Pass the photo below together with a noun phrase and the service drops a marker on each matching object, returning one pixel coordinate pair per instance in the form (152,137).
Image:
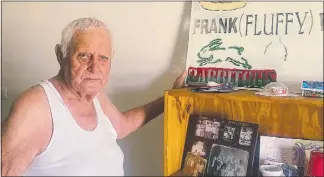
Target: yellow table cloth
(294,117)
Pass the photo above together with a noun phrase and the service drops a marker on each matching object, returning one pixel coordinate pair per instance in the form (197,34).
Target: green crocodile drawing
(207,55)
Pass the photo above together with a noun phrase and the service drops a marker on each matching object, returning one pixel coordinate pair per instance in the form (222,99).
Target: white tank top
(73,151)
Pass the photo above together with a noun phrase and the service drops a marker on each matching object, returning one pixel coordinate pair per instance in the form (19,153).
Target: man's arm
(131,120)
(24,132)
(137,117)
(143,114)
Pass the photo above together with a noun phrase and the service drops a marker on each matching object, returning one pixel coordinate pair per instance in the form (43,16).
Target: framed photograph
(199,148)
(194,165)
(246,136)
(236,133)
(229,133)
(227,161)
(207,128)
(227,146)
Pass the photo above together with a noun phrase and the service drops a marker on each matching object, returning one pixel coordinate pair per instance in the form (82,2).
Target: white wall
(150,43)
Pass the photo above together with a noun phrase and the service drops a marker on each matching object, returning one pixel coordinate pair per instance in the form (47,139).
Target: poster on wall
(254,43)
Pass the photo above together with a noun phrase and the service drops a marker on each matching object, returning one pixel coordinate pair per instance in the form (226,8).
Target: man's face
(87,69)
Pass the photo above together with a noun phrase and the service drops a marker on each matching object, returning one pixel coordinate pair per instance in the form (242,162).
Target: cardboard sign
(285,38)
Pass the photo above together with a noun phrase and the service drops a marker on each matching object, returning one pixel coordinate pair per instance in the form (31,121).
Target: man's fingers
(180,81)
(182,76)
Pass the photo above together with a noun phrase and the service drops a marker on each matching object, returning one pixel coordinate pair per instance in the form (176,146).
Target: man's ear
(59,54)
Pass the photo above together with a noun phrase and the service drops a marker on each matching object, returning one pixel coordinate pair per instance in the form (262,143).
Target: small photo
(199,148)
(246,136)
(228,133)
(194,165)
(226,161)
(207,128)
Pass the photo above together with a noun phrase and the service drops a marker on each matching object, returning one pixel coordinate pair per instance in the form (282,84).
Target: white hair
(77,25)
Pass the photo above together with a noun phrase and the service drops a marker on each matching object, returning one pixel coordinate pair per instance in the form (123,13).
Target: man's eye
(104,58)
(83,56)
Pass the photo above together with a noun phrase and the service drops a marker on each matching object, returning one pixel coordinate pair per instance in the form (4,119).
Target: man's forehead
(93,39)
(93,33)
(86,38)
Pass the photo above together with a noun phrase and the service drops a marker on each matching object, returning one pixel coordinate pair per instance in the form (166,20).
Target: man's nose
(94,65)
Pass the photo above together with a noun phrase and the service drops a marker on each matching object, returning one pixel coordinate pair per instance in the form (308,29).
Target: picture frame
(228,146)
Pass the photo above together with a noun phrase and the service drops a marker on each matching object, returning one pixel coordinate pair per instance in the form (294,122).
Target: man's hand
(180,81)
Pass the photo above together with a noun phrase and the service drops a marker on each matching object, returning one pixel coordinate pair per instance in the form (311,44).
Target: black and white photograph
(207,128)
(226,161)
(199,148)
(246,136)
(228,132)
(194,165)
(228,146)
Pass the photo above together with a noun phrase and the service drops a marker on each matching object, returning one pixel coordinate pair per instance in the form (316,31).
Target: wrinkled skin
(86,69)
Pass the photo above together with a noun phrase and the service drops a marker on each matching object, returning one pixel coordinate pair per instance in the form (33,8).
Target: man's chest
(84,114)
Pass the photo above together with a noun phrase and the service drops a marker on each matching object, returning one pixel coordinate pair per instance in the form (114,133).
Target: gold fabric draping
(294,117)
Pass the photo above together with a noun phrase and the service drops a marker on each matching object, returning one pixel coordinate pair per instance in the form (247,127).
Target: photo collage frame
(218,147)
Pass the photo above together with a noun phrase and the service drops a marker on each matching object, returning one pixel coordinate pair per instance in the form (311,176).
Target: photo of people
(226,161)
(207,128)
(199,148)
(245,136)
(226,147)
(194,165)
(228,133)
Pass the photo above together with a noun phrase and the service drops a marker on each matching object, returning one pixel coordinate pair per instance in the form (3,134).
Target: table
(294,117)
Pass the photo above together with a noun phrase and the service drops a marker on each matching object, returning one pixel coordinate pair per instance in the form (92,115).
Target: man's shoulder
(29,111)
(33,96)
(104,99)
(33,99)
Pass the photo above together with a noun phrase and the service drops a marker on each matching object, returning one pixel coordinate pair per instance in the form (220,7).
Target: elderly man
(66,125)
